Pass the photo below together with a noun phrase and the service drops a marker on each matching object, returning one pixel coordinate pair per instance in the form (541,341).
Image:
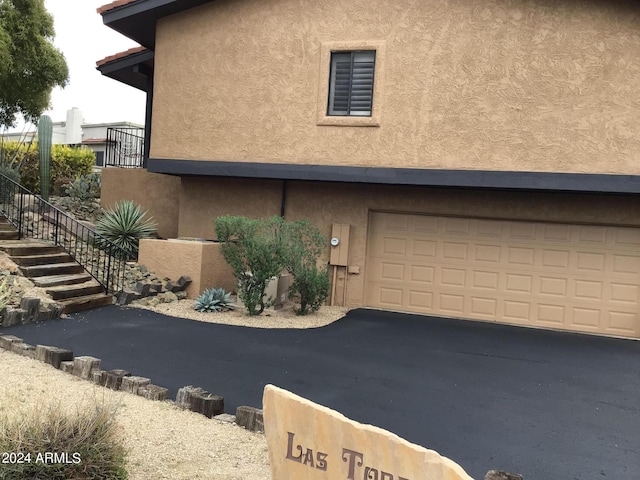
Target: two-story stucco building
(475,158)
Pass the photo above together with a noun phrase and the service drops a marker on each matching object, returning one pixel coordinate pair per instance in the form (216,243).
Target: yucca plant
(213,300)
(125,225)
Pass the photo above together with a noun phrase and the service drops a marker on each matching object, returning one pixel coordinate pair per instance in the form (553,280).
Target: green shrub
(125,225)
(89,437)
(254,250)
(258,250)
(213,300)
(303,244)
(66,161)
(10,172)
(85,187)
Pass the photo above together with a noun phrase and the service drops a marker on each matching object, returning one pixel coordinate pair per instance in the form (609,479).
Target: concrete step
(87,302)
(48,258)
(30,248)
(52,269)
(7,227)
(55,280)
(63,292)
(9,235)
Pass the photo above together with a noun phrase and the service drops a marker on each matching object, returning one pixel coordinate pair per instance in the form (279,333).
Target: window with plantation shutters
(351,83)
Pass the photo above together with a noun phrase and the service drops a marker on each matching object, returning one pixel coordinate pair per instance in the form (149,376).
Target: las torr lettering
(306,458)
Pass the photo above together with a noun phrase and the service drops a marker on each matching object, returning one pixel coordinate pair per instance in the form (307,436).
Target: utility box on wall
(339,244)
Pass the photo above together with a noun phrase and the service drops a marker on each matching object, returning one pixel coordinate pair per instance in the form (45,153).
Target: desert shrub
(125,225)
(258,250)
(303,244)
(60,186)
(66,161)
(88,436)
(254,250)
(85,187)
(213,300)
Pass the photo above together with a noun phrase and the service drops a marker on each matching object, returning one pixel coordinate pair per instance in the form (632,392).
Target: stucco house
(474,159)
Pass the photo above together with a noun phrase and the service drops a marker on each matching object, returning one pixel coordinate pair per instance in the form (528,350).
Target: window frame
(338,61)
(324,81)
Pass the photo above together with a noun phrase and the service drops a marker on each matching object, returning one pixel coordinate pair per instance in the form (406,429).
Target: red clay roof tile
(112,5)
(117,56)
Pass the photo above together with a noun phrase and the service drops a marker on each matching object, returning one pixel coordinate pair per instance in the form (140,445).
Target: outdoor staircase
(7,230)
(49,267)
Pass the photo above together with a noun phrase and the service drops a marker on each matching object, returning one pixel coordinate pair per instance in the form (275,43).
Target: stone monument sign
(312,442)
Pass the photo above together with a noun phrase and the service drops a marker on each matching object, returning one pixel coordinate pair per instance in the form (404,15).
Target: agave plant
(213,300)
(125,225)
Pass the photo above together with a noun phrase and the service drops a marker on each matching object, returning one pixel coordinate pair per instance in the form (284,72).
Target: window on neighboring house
(351,83)
(99,159)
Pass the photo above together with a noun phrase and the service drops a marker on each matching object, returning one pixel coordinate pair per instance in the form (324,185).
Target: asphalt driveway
(545,404)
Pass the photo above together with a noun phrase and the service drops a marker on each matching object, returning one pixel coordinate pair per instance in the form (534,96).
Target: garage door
(571,277)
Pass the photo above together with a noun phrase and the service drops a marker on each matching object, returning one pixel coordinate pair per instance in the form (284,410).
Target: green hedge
(66,162)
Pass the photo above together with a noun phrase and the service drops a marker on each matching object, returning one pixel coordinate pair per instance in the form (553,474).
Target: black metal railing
(37,219)
(125,148)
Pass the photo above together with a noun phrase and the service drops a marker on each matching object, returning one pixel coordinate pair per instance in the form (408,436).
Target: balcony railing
(125,148)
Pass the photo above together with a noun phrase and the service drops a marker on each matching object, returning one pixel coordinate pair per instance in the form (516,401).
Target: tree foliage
(30,65)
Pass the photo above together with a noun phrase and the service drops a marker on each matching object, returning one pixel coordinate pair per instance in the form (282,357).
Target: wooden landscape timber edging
(190,398)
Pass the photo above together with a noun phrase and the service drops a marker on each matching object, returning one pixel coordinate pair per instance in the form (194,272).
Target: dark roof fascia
(137,20)
(504,180)
(123,69)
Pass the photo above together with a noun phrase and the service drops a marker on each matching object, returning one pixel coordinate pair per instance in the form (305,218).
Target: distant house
(472,159)
(74,131)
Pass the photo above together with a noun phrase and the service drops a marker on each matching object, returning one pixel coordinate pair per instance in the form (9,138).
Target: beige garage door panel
(572,277)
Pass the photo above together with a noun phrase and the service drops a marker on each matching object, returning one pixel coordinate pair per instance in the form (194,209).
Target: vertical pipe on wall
(333,285)
(283,201)
(147,120)
(344,287)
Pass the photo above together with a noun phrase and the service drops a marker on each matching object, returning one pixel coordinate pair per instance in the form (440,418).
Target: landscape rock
(498,475)
(169,297)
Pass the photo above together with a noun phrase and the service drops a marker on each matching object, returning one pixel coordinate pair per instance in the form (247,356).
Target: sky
(84,39)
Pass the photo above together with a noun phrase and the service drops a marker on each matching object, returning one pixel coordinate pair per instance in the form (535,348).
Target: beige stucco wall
(158,194)
(203,200)
(202,261)
(527,85)
(325,204)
